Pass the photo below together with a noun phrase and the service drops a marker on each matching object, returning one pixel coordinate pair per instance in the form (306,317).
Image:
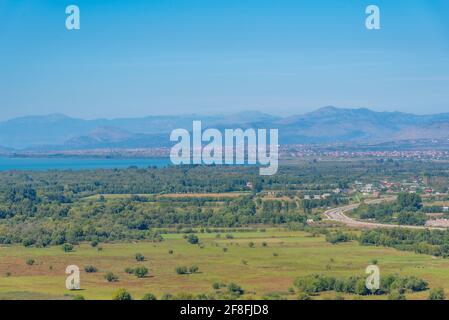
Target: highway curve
(338,214)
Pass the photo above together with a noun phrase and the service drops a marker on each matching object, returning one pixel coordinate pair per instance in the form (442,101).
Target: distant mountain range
(325,125)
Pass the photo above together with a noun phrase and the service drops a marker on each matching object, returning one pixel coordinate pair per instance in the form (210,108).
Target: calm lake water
(77,163)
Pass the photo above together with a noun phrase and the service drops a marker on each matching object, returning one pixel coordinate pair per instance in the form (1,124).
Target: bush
(78,297)
(129,270)
(140,257)
(193,269)
(337,237)
(110,277)
(218,285)
(396,295)
(122,294)
(90,269)
(30,261)
(167,296)
(67,247)
(140,272)
(170,251)
(94,243)
(304,296)
(182,270)
(149,296)
(192,239)
(235,289)
(437,294)
(356,285)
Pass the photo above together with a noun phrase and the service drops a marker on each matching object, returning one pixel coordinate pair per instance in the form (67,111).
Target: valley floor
(263,263)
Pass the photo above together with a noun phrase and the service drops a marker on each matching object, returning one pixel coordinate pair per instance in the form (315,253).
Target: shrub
(140,272)
(396,295)
(218,285)
(122,294)
(337,237)
(181,270)
(193,239)
(251,244)
(129,270)
(170,251)
(78,297)
(30,261)
(167,296)
(67,247)
(90,269)
(436,294)
(149,296)
(193,269)
(235,289)
(304,296)
(140,257)
(110,277)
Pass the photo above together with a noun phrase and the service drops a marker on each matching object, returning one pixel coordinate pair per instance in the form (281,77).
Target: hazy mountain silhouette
(325,125)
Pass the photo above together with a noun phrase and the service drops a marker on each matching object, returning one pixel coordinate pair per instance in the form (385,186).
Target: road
(338,214)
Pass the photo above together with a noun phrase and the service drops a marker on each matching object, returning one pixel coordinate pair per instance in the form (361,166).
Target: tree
(409,200)
(437,294)
(122,294)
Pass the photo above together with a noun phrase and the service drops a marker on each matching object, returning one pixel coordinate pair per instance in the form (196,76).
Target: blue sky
(283,57)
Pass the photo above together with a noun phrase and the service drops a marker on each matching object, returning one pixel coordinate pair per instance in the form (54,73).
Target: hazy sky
(136,58)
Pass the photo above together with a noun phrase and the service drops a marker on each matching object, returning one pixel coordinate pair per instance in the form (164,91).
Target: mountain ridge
(328,124)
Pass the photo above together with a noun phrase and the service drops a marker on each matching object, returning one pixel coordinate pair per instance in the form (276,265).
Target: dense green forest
(433,242)
(57,207)
(407,210)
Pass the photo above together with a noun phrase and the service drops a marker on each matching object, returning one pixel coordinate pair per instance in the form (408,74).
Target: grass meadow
(269,267)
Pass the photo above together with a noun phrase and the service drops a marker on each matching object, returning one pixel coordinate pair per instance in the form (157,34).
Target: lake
(42,164)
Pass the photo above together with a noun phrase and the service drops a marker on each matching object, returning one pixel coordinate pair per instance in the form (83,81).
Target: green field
(261,270)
